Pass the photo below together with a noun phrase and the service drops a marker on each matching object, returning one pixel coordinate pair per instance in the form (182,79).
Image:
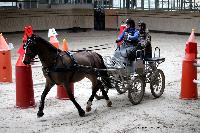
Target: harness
(72,67)
(65,67)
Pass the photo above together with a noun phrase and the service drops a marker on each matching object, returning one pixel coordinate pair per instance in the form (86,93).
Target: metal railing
(160,5)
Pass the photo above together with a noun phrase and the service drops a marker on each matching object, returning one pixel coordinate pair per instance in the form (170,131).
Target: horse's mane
(47,43)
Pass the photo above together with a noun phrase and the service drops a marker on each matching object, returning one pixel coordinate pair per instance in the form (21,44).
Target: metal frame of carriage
(146,71)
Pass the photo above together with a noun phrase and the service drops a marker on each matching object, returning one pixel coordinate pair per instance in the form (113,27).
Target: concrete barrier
(43,19)
(181,22)
(15,20)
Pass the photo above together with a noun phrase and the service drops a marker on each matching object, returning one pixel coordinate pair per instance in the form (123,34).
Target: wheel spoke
(120,87)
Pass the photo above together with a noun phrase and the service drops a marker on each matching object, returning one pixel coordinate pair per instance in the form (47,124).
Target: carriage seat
(155,59)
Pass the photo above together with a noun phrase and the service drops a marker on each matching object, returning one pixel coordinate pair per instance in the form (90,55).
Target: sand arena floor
(165,114)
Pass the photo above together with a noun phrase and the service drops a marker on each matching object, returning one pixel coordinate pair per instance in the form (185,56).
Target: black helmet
(142,25)
(130,22)
(139,23)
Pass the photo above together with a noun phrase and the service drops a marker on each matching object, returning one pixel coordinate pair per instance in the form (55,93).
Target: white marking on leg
(89,103)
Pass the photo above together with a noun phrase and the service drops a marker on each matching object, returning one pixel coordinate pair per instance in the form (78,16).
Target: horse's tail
(104,75)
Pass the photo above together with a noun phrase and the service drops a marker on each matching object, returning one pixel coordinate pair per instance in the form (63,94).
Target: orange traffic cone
(191,44)
(5,61)
(189,71)
(54,41)
(24,82)
(24,85)
(65,45)
(61,92)
(192,37)
(122,28)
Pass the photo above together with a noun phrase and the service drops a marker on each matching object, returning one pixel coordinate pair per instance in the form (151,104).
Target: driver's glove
(128,37)
(117,41)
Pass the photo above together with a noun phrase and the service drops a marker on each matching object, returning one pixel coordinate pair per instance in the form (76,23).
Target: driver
(130,35)
(130,38)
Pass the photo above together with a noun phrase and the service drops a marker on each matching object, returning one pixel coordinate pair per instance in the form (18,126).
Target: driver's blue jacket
(130,34)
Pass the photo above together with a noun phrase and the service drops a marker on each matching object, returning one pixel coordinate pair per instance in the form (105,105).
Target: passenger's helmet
(130,22)
(142,25)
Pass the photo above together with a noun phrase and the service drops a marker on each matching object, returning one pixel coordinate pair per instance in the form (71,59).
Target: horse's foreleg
(71,96)
(48,86)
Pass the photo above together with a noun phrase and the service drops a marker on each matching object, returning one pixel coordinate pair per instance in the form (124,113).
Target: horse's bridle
(29,53)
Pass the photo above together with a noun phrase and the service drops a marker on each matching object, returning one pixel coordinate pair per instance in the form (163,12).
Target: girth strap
(72,58)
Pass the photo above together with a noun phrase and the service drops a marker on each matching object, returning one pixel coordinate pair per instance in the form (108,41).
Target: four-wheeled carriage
(145,71)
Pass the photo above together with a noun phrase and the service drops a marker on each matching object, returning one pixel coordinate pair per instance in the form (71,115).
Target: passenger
(145,40)
(142,30)
(130,38)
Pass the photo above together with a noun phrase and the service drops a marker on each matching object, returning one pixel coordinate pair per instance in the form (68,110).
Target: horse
(62,68)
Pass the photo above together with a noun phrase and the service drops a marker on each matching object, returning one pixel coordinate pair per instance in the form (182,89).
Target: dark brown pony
(62,68)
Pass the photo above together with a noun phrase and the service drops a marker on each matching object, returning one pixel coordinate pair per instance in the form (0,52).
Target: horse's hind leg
(71,96)
(48,86)
(104,93)
(95,87)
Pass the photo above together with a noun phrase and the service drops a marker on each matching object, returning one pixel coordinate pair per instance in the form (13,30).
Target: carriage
(145,71)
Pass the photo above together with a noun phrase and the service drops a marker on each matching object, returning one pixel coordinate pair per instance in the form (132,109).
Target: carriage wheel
(99,95)
(136,91)
(119,86)
(157,84)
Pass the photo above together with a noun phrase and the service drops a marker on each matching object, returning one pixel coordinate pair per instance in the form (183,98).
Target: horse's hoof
(88,109)
(40,114)
(109,103)
(81,113)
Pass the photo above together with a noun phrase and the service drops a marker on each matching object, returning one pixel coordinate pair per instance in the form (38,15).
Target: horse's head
(30,49)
